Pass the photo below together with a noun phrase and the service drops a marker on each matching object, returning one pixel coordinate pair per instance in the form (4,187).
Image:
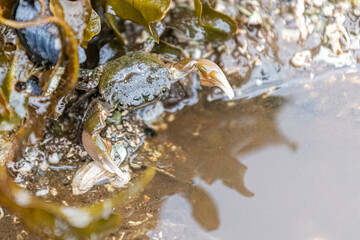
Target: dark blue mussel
(42,43)
(32,86)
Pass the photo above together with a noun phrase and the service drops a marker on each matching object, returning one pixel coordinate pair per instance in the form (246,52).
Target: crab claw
(210,73)
(98,148)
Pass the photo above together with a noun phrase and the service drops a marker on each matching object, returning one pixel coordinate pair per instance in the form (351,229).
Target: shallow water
(279,167)
(276,166)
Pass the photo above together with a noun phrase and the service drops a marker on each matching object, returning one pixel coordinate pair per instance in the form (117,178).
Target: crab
(133,81)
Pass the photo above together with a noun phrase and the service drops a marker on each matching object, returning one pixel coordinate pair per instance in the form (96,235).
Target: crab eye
(163,90)
(122,105)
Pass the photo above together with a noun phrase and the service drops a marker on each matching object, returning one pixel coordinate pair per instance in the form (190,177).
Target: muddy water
(285,166)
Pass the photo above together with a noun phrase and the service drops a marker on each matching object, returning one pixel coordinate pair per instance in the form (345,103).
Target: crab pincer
(210,73)
(98,148)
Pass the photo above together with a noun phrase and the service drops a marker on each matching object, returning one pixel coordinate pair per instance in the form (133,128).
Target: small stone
(328,10)
(255,19)
(338,37)
(83,154)
(55,158)
(315,3)
(53,192)
(260,48)
(132,144)
(43,166)
(302,58)
(42,192)
(290,35)
(146,198)
(135,164)
(356,12)
(70,153)
(110,188)
(16,220)
(130,128)
(1,213)
(171,118)
(23,232)
(18,179)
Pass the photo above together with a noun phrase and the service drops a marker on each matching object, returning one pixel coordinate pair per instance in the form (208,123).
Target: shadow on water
(207,141)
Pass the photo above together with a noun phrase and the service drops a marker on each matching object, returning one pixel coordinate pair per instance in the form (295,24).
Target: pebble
(290,35)
(55,158)
(1,213)
(302,58)
(42,192)
(328,10)
(255,19)
(43,166)
(53,192)
(83,154)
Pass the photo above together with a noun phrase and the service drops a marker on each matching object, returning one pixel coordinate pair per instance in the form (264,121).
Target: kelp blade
(67,222)
(143,13)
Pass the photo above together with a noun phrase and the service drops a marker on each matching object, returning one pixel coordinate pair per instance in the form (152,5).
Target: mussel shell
(33,85)
(42,43)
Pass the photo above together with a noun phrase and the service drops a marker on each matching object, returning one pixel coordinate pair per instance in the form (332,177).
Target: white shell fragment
(300,19)
(1,213)
(255,19)
(290,35)
(89,175)
(55,158)
(302,58)
(315,3)
(326,55)
(42,192)
(328,10)
(338,38)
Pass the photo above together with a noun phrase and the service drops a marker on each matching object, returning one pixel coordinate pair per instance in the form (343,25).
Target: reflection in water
(204,140)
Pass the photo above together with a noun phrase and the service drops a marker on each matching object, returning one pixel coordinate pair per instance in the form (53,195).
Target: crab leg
(98,148)
(89,78)
(210,73)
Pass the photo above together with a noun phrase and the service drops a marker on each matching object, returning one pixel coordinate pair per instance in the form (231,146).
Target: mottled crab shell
(134,80)
(42,43)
